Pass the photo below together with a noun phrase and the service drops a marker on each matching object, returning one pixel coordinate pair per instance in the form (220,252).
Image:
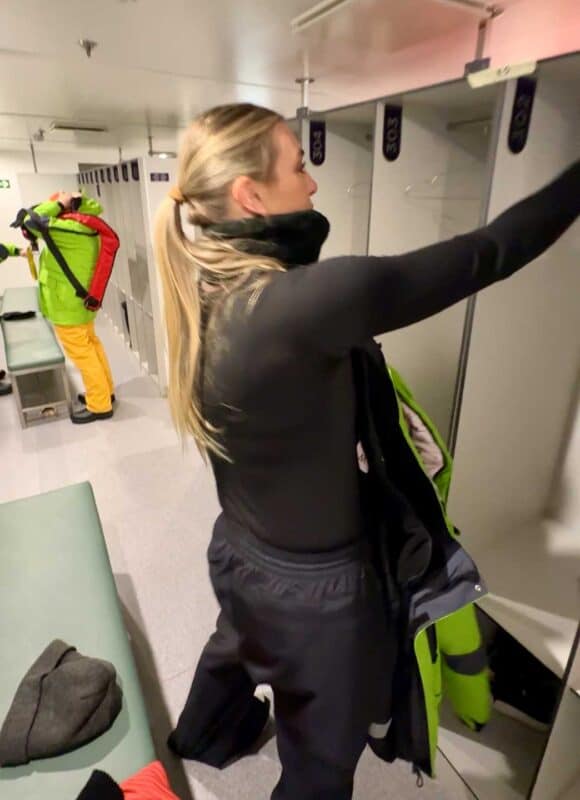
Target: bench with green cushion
(56,583)
(29,343)
(34,360)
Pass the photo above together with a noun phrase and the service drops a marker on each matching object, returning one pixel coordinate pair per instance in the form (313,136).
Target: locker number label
(521,114)
(317,142)
(392,132)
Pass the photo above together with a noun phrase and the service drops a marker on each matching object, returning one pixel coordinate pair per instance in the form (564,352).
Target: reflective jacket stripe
(468,663)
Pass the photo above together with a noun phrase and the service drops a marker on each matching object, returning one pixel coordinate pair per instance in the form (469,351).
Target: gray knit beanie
(64,701)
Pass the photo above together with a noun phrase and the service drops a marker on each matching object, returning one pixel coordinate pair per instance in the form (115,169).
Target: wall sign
(317,142)
(4,183)
(392,132)
(159,176)
(521,114)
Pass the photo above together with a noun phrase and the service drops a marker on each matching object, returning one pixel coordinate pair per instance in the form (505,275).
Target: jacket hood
(90,206)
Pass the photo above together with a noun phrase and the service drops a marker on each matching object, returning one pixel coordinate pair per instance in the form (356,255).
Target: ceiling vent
(80,127)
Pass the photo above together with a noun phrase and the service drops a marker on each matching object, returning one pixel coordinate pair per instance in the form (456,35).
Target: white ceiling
(165,60)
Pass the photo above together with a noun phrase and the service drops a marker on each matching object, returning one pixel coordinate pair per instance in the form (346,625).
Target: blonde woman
(329,551)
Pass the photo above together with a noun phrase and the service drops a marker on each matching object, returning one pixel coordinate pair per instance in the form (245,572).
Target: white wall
(37,187)
(343,187)
(427,353)
(564,505)
(13,271)
(525,351)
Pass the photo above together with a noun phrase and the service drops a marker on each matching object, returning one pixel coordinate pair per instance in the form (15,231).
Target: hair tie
(176,194)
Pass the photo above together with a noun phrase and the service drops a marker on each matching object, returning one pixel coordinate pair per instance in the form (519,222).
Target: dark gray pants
(314,628)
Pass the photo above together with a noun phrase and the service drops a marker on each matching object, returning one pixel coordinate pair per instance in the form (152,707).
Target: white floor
(157,505)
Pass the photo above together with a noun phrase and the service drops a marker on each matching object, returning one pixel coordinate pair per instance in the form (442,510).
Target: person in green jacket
(7,250)
(61,302)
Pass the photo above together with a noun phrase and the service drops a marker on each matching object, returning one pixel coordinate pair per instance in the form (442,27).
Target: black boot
(82,398)
(85,416)
(5,388)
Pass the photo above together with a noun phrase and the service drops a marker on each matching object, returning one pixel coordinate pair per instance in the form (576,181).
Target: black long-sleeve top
(281,383)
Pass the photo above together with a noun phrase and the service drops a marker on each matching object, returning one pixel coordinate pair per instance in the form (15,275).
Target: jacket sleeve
(49,212)
(464,671)
(334,305)
(7,250)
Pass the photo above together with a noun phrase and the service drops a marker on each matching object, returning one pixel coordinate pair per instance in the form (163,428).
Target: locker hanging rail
(422,186)
(353,186)
(468,123)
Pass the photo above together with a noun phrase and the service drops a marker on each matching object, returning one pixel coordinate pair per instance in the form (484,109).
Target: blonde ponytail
(222,144)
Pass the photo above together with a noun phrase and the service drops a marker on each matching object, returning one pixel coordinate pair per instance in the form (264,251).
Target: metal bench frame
(51,409)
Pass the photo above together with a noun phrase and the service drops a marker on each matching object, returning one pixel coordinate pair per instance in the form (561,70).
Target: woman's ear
(247,196)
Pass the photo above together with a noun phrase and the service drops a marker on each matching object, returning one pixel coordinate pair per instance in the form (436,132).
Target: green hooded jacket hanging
(450,655)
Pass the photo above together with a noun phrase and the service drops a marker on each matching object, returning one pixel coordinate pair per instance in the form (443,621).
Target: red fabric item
(106,259)
(150,783)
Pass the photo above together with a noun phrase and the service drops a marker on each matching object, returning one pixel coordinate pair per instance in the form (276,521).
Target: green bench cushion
(29,343)
(56,582)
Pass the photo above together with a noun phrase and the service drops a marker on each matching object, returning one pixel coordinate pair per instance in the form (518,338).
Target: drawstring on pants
(419,775)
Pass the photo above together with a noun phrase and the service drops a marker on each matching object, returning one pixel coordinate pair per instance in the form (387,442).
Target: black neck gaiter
(294,239)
